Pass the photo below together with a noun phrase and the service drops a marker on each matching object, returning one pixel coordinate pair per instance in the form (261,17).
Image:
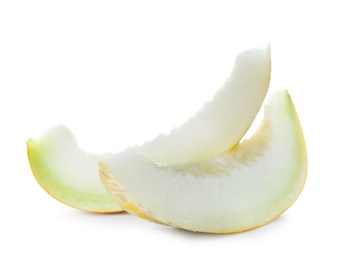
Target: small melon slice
(238,190)
(67,173)
(70,174)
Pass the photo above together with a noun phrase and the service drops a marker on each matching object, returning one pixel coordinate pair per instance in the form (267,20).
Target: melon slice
(237,190)
(223,121)
(69,174)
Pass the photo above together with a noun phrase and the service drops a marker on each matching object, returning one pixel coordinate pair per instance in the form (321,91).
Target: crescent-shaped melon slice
(67,173)
(237,190)
(70,174)
(223,121)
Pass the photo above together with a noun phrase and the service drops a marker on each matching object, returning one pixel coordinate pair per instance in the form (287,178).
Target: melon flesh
(223,121)
(237,190)
(69,174)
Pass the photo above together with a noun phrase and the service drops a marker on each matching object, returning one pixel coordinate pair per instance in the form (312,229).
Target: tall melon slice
(237,190)
(70,174)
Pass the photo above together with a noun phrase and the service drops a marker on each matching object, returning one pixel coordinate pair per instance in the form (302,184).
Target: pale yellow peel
(120,196)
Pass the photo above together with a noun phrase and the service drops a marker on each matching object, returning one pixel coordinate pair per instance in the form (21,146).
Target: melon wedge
(237,190)
(69,174)
(223,121)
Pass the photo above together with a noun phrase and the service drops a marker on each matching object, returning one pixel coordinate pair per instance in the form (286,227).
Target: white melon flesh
(223,121)
(67,173)
(237,190)
(70,174)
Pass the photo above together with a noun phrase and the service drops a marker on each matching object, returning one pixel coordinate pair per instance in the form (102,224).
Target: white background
(120,72)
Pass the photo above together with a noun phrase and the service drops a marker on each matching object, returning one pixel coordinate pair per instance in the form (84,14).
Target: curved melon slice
(70,174)
(237,190)
(223,121)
